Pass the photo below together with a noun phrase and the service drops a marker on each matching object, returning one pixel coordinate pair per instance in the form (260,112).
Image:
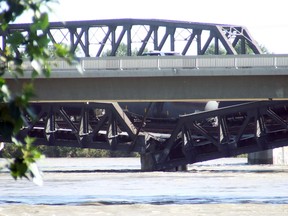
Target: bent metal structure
(163,143)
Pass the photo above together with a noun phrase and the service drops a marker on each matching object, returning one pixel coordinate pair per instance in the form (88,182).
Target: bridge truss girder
(83,125)
(226,132)
(95,38)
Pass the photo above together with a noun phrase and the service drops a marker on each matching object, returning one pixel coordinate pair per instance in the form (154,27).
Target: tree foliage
(121,51)
(222,51)
(69,152)
(211,50)
(34,45)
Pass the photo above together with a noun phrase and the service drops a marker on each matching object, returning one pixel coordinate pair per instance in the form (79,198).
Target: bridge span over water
(163,143)
(75,109)
(70,112)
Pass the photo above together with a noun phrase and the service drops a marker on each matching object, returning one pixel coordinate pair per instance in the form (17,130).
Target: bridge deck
(181,78)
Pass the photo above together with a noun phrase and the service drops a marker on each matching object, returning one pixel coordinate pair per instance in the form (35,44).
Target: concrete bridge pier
(261,157)
(278,156)
(148,163)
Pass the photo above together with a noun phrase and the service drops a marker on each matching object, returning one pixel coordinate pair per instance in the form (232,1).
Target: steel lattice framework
(235,130)
(84,125)
(225,132)
(95,38)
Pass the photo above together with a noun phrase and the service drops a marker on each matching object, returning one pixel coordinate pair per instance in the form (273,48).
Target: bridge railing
(165,62)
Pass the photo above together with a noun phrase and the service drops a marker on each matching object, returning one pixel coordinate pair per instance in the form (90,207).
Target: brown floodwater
(116,186)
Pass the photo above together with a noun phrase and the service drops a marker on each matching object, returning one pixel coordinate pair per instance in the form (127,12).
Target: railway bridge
(81,110)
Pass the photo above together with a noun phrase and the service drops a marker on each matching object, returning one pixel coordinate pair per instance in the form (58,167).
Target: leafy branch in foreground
(20,47)
(24,164)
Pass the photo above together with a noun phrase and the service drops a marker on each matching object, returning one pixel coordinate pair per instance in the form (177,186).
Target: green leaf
(18,168)
(40,23)
(44,19)
(24,163)
(4,26)
(16,39)
(61,50)
(43,41)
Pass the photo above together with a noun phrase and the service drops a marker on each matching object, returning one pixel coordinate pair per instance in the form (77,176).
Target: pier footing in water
(278,156)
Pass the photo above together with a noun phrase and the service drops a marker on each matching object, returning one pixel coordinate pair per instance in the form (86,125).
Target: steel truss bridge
(93,38)
(164,144)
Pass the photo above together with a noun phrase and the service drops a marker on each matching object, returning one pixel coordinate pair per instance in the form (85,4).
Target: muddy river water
(116,186)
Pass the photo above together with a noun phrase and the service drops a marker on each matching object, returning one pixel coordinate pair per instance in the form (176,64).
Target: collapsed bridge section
(229,131)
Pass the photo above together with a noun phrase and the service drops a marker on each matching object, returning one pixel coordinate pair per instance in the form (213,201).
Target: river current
(85,181)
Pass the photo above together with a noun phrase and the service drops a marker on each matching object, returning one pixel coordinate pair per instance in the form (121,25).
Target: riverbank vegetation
(11,151)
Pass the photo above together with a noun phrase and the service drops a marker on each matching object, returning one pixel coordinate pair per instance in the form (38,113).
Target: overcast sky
(267,21)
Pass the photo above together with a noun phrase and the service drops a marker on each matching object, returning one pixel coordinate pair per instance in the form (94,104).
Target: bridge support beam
(278,156)
(147,162)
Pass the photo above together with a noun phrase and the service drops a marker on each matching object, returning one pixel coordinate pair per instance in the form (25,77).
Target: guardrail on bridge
(163,62)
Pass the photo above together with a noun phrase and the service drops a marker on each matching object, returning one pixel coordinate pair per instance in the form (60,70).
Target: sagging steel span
(164,144)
